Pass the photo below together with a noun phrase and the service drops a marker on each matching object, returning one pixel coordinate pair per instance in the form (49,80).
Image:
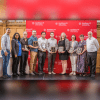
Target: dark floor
(52,77)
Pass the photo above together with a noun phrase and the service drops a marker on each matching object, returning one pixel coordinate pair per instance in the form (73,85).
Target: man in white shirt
(92,48)
(42,44)
(52,42)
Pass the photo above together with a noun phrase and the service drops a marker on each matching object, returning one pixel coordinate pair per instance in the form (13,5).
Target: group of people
(21,47)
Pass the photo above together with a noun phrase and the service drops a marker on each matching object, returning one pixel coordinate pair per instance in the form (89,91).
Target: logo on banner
(38,23)
(73,30)
(61,23)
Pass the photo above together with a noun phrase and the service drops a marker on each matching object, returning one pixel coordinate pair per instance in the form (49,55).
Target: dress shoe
(40,73)
(25,74)
(5,76)
(21,74)
(93,76)
(17,74)
(8,76)
(62,73)
(14,75)
(35,73)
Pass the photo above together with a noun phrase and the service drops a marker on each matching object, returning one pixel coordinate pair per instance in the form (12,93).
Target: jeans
(5,61)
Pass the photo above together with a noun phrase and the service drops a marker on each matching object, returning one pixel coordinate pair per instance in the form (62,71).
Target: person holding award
(32,43)
(82,59)
(52,49)
(63,47)
(42,43)
(73,54)
(92,48)
(16,53)
(24,57)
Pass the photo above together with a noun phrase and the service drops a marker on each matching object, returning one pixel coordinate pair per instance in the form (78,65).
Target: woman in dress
(63,56)
(73,55)
(16,53)
(81,60)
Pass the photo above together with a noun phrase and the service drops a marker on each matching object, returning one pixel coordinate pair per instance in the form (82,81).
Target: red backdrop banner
(70,27)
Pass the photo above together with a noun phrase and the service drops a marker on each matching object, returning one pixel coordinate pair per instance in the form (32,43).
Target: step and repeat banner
(70,27)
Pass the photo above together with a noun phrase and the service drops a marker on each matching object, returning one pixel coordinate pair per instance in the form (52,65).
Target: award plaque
(61,48)
(35,43)
(43,45)
(79,50)
(71,49)
(53,49)
(26,47)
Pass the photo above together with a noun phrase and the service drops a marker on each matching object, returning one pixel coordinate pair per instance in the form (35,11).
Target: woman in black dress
(63,56)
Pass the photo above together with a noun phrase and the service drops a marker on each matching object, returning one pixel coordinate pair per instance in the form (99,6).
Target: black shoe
(40,73)
(35,73)
(89,75)
(62,74)
(5,76)
(17,74)
(21,74)
(93,76)
(25,74)
(8,76)
(14,75)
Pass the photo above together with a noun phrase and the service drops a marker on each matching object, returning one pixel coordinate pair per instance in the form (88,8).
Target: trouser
(5,61)
(41,60)
(15,64)
(24,58)
(51,59)
(73,62)
(91,57)
(33,61)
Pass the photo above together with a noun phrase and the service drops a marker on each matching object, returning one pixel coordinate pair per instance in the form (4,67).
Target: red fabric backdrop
(70,27)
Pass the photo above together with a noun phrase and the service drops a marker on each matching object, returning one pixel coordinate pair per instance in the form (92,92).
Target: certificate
(61,48)
(71,50)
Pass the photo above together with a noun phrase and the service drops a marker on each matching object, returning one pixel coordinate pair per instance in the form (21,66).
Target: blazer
(75,45)
(15,47)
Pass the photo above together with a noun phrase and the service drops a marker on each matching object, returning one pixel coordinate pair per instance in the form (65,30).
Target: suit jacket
(75,45)
(15,47)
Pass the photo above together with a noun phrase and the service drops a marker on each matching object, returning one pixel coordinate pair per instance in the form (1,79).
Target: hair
(7,28)
(90,32)
(61,35)
(51,32)
(24,32)
(81,35)
(14,36)
(73,35)
(33,30)
(43,32)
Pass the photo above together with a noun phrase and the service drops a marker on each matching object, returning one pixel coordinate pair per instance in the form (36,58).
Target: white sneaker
(49,72)
(53,73)
(71,73)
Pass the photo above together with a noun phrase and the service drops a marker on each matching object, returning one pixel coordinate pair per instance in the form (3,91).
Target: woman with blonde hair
(73,55)
(63,55)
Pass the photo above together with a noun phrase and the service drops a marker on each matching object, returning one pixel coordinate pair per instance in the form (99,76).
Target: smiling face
(81,38)
(43,35)
(63,35)
(8,31)
(52,35)
(73,37)
(89,34)
(17,36)
(34,33)
(25,35)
